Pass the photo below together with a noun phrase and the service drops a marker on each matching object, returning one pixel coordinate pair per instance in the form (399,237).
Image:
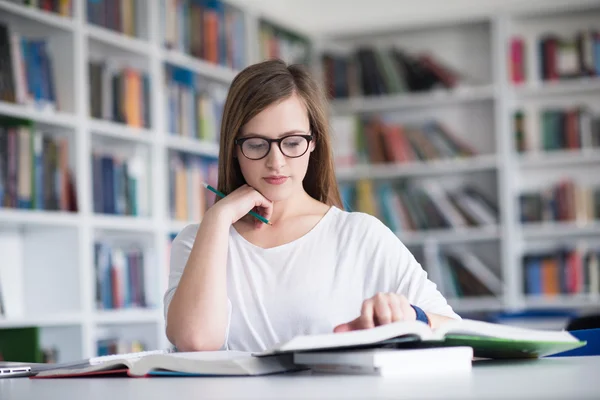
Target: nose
(275,158)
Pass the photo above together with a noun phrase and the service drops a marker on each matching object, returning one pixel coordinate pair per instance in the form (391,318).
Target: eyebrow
(252,134)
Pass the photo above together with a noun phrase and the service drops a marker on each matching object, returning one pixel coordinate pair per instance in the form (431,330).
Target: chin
(276,193)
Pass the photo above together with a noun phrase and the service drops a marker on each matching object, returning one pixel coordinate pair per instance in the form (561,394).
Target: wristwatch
(421,316)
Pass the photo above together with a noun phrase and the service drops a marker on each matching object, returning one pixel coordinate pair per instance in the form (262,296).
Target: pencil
(221,195)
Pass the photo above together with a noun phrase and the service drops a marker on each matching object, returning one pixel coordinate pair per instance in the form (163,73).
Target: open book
(488,340)
(207,363)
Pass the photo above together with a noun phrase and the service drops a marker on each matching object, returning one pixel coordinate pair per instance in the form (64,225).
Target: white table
(561,378)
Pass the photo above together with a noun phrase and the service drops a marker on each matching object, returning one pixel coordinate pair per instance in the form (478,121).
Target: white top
(312,284)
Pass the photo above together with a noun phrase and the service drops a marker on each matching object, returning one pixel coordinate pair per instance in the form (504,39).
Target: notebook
(207,363)
(390,362)
(488,340)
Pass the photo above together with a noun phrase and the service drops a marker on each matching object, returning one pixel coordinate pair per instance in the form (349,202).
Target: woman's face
(276,176)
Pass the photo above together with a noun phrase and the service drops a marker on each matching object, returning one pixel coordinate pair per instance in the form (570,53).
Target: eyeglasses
(256,148)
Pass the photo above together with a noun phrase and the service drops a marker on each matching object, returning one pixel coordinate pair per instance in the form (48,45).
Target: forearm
(436,320)
(197,315)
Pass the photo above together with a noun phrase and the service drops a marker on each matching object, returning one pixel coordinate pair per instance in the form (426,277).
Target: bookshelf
(481,110)
(52,254)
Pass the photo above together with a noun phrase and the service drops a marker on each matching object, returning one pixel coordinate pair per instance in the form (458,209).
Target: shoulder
(185,238)
(362,225)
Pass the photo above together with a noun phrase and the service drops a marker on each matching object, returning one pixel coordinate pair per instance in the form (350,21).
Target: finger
(396,308)
(408,313)
(383,314)
(342,328)
(365,321)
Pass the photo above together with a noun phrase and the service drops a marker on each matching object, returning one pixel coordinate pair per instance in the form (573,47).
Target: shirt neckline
(289,244)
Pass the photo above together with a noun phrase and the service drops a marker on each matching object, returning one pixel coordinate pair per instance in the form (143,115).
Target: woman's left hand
(381,309)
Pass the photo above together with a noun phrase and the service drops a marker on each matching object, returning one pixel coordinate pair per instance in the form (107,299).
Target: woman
(237,283)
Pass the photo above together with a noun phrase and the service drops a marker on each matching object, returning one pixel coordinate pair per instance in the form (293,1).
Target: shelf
(118,40)
(541,89)
(122,223)
(21,217)
(60,119)
(35,14)
(446,236)
(193,146)
(475,304)
(558,158)
(431,99)
(563,301)
(430,168)
(553,230)
(121,131)
(45,321)
(201,67)
(125,316)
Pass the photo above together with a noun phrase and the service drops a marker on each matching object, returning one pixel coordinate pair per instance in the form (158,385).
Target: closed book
(390,362)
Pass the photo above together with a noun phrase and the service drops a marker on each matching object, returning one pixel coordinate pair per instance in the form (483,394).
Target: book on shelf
(34,168)
(194,106)
(210,30)
(377,71)
(61,7)
(486,340)
(120,184)
(25,345)
(574,128)
(565,270)
(557,56)
(26,70)
(113,346)
(563,201)
(460,273)
(119,94)
(118,15)
(119,275)
(188,199)
(274,41)
(418,207)
(373,140)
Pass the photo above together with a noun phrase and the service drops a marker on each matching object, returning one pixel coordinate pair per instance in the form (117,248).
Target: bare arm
(197,317)
(198,312)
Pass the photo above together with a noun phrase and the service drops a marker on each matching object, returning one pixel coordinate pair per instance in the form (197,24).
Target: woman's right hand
(243,200)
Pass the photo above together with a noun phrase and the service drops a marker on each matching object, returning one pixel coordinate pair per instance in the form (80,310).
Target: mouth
(276,180)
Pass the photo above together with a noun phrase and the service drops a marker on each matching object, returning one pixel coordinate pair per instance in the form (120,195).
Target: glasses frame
(240,142)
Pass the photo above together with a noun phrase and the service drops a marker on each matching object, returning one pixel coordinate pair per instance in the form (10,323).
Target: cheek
(250,169)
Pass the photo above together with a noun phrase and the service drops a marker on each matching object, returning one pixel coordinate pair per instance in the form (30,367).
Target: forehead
(286,115)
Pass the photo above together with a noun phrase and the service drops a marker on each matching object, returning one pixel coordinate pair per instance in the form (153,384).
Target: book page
(485,329)
(353,338)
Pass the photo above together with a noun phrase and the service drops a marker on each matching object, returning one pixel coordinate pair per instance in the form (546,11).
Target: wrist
(218,214)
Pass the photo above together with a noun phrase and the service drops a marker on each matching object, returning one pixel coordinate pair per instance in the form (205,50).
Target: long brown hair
(256,88)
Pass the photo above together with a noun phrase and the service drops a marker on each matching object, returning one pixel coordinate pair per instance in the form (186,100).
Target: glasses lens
(294,146)
(255,148)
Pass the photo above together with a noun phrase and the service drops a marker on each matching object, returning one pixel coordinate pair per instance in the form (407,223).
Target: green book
(488,340)
(20,344)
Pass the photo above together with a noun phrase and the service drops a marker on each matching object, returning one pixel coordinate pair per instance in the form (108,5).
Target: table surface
(564,377)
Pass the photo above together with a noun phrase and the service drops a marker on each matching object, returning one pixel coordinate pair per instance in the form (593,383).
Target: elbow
(187,340)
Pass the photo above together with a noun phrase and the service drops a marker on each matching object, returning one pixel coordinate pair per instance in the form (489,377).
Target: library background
(476,139)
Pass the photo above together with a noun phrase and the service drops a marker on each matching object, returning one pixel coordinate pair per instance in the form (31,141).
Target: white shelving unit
(53,252)
(481,113)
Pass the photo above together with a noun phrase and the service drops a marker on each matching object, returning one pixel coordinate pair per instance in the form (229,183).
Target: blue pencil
(221,195)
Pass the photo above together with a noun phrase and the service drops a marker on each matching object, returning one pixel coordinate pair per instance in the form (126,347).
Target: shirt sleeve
(408,276)
(181,248)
